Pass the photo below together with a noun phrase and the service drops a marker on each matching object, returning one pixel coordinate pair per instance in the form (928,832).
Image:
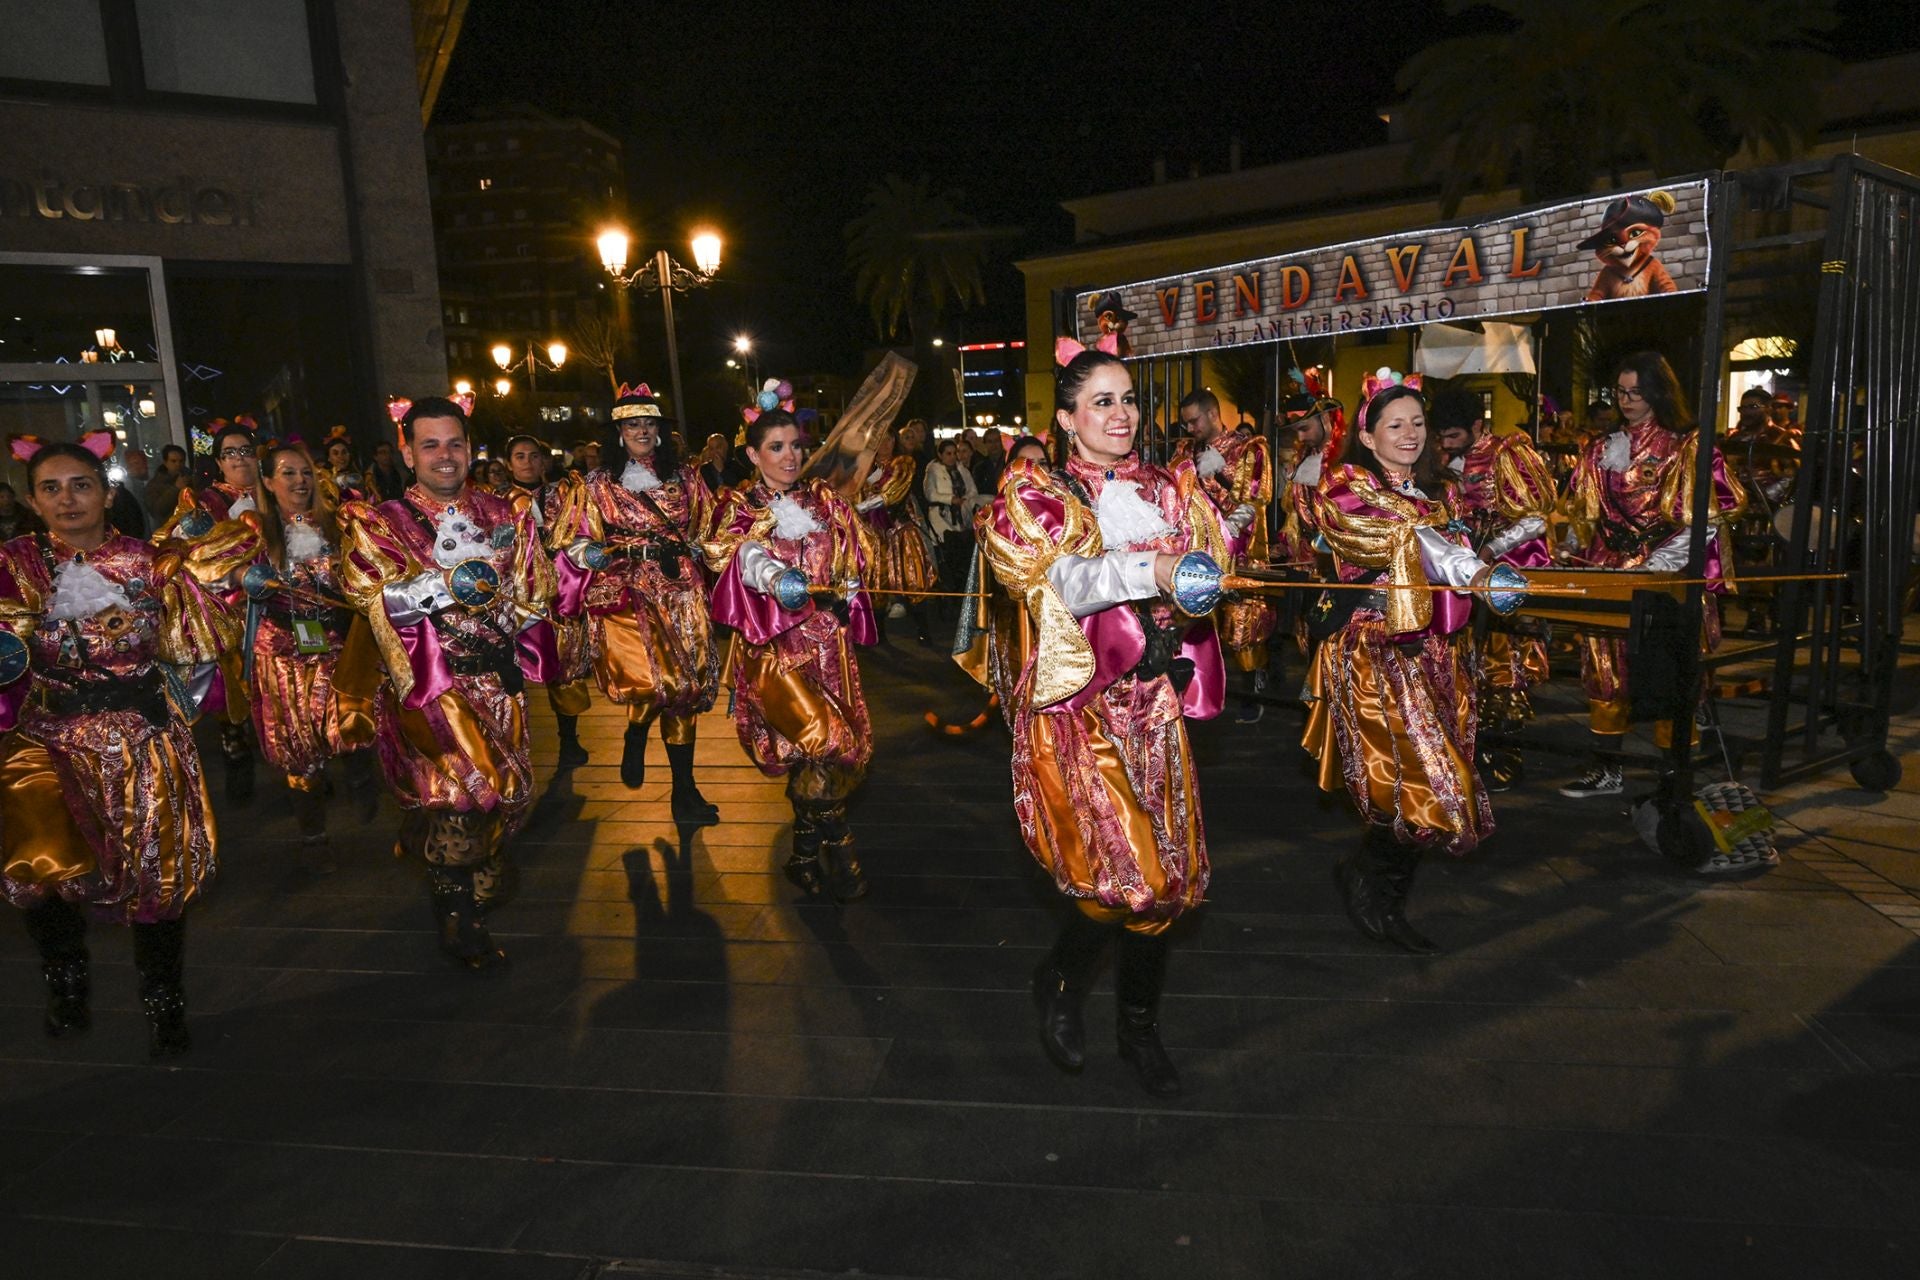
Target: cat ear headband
(100,443)
(1065,348)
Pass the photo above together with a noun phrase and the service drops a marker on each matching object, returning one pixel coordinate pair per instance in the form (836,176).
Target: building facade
(215,208)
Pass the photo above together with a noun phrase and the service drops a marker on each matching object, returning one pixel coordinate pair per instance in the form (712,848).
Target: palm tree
(1574,88)
(913,255)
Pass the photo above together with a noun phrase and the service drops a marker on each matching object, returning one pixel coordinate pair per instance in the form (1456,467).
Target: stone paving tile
(1614,1066)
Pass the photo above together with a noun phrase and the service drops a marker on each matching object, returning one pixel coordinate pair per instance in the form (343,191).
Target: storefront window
(257,50)
(58,40)
(61,313)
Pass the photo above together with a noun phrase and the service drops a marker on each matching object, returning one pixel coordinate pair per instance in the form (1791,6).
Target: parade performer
(790,560)
(455,588)
(342,472)
(102,804)
(298,625)
(1394,691)
(1506,495)
(1103,780)
(889,504)
(630,563)
(529,491)
(227,498)
(1237,468)
(1631,496)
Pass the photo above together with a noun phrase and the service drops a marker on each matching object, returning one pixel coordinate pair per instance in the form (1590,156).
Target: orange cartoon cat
(1626,242)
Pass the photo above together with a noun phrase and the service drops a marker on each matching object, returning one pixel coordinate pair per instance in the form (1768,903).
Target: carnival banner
(1604,249)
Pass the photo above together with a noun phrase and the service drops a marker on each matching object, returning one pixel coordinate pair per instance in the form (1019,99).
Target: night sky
(773,131)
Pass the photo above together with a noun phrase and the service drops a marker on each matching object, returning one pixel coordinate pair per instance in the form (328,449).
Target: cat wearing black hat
(1626,242)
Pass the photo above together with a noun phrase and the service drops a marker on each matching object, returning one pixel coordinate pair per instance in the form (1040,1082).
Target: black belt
(668,557)
(490,662)
(146,694)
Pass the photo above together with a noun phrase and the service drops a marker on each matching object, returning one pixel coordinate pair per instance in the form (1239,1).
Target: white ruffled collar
(790,519)
(638,477)
(1126,518)
(80,591)
(1211,462)
(455,539)
(304,542)
(1617,453)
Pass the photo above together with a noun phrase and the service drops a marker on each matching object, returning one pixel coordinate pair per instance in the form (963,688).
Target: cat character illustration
(1626,244)
(1111,315)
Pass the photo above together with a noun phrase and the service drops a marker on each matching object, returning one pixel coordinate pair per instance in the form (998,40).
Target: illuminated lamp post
(668,277)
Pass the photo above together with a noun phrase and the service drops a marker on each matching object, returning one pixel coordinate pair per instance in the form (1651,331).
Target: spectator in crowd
(387,477)
(988,459)
(163,490)
(124,509)
(952,499)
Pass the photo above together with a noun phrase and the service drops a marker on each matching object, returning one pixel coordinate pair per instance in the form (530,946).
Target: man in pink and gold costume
(455,587)
(1631,496)
(1237,469)
(1505,495)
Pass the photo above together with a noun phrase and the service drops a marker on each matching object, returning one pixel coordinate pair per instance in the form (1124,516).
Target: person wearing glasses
(198,516)
(1631,498)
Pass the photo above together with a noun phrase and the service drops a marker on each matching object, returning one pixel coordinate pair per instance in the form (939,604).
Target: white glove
(759,567)
(875,501)
(1512,536)
(1088,584)
(1671,555)
(418,597)
(1448,564)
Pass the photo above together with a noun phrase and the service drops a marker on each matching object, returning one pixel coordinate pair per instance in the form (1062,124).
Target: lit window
(486,184)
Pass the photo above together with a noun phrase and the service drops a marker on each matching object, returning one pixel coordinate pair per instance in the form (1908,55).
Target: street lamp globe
(557,353)
(706,252)
(939,342)
(463,388)
(502,354)
(502,386)
(613,244)
(743,344)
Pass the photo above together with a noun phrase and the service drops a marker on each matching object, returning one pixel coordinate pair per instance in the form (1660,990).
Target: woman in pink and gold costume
(791,563)
(455,587)
(312,674)
(1631,499)
(1103,781)
(1394,692)
(627,539)
(102,804)
(889,503)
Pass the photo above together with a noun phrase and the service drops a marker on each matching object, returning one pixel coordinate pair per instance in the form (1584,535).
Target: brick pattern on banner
(1524,263)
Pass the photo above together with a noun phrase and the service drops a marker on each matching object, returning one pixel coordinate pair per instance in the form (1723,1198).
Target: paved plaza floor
(1615,1069)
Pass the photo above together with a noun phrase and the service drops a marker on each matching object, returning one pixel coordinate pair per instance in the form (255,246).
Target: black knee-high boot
(633,755)
(310,813)
(1138,979)
(689,806)
(572,754)
(60,931)
(237,750)
(363,783)
(846,878)
(457,916)
(803,864)
(1360,876)
(1399,883)
(1060,989)
(159,955)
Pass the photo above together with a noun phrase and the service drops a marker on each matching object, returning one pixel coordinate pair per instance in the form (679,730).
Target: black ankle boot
(60,931)
(1140,974)
(1060,990)
(457,916)
(633,756)
(310,813)
(689,806)
(363,783)
(158,955)
(1399,882)
(846,879)
(803,865)
(572,754)
(237,751)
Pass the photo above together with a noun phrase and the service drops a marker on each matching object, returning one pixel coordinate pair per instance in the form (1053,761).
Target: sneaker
(1601,780)
(897,610)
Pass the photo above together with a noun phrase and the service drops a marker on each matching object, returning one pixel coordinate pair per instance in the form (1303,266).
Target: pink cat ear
(98,443)
(1065,349)
(24,446)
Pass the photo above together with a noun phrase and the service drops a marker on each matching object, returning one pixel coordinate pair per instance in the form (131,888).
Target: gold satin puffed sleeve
(899,480)
(1522,482)
(734,523)
(1372,527)
(1676,486)
(1062,660)
(1204,523)
(531,577)
(196,624)
(226,549)
(371,558)
(21,603)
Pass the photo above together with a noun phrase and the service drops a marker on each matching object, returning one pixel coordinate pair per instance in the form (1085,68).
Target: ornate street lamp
(666,276)
(530,360)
